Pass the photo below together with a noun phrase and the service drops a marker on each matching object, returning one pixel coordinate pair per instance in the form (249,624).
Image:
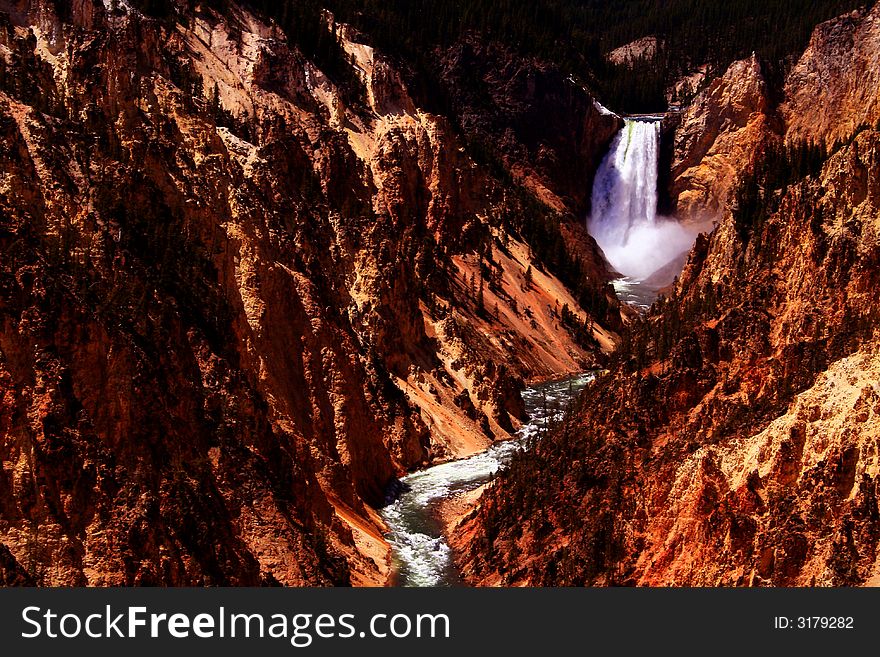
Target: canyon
(734,440)
(239,300)
(265,290)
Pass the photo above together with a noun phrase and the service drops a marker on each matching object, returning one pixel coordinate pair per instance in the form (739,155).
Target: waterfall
(624,221)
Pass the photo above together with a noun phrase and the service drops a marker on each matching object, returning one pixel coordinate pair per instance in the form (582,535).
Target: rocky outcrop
(828,94)
(644,48)
(717,137)
(238,300)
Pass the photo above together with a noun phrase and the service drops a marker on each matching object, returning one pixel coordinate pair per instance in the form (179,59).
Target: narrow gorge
(734,439)
(646,252)
(350,293)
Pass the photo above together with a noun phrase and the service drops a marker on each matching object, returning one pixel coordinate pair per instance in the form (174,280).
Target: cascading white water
(421,554)
(624,221)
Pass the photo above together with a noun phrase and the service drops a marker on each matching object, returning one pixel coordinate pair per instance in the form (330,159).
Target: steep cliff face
(829,94)
(734,441)
(717,137)
(833,88)
(237,301)
(548,130)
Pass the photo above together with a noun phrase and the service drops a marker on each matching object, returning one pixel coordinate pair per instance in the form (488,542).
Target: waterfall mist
(624,221)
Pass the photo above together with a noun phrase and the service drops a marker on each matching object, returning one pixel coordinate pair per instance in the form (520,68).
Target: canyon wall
(546,127)
(237,298)
(833,88)
(716,138)
(734,440)
(829,93)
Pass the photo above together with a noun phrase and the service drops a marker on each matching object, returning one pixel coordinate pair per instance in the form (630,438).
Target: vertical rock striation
(718,136)
(832,89)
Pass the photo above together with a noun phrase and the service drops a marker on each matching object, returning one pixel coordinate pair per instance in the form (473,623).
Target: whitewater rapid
(637,242)
(420,552)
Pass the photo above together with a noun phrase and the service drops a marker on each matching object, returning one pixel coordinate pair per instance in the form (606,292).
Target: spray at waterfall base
(640,245)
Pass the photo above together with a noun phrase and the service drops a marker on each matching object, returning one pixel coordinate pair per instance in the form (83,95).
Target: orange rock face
(718,136)
(833,88)
(829,93)
(236,300)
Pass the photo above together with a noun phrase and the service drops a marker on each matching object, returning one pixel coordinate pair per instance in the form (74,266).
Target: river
(636,293)
(420,552)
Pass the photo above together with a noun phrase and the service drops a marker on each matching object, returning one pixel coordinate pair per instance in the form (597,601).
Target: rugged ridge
(238,300)
(828,94)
